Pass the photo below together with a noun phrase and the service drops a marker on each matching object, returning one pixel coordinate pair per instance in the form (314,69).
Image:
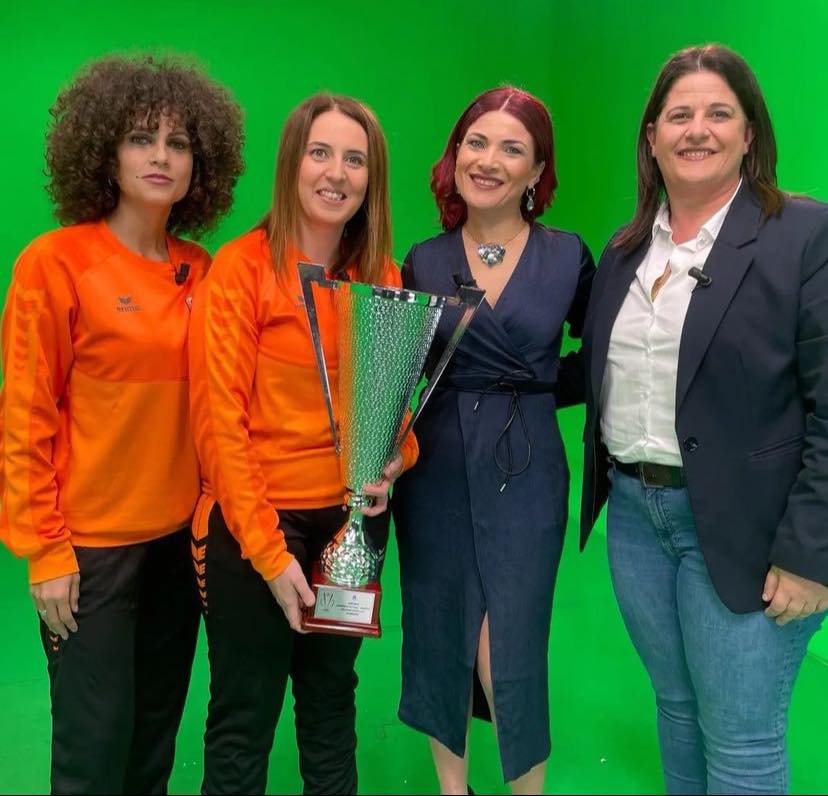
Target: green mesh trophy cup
(383,336)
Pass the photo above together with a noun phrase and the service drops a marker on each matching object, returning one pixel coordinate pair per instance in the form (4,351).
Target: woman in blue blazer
(706,347)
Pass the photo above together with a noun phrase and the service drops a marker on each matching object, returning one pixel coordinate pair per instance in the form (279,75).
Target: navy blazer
(751,395)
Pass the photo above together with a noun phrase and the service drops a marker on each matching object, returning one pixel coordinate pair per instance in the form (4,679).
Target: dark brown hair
(366,240)
(528,110)
(93,114)
(758,165)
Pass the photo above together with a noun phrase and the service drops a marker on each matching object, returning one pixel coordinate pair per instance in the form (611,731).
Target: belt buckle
(647,476)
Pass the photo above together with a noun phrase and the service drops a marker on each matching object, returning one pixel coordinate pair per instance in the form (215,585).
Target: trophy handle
(308,274)
(470,298)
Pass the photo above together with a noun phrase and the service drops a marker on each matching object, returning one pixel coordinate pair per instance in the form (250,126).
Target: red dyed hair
(528,110)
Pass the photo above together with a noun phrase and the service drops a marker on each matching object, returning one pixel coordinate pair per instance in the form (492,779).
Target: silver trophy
(383,337)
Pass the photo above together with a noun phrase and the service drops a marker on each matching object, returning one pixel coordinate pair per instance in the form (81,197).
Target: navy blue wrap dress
(480,519)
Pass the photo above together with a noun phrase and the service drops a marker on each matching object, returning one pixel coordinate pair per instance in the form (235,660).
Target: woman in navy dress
(481,518)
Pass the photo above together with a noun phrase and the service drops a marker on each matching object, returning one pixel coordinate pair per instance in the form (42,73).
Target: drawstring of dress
(514,410)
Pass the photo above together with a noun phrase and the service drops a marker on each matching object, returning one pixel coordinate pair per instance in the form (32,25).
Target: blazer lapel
(728,262)
(620,277)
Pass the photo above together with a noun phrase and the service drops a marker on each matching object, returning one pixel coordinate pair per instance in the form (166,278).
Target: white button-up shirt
(638,393)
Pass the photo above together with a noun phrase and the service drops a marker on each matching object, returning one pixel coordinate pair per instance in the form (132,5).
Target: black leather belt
(658,475)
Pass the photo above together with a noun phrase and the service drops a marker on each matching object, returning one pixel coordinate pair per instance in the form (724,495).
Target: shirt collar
(709,230)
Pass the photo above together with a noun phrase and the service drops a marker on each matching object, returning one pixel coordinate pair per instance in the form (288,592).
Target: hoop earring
(530,199)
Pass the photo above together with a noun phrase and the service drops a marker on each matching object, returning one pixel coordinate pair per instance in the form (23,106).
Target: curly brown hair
(92,115)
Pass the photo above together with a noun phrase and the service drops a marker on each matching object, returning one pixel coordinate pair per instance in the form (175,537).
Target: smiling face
(496,163)
(700,136)
(333,171)
(155,166)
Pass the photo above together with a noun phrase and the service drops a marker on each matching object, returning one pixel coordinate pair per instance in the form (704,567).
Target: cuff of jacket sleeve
(273,564)
(810,564)
(53,562)
(410,452)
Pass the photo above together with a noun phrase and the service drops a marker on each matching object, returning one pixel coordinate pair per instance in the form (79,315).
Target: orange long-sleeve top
(95,443)
(258,412)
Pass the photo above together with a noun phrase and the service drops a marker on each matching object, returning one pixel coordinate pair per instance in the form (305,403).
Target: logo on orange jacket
(125,305)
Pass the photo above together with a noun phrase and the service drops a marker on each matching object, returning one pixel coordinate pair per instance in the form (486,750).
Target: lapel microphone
(181,273)
(460,282)
(701,277)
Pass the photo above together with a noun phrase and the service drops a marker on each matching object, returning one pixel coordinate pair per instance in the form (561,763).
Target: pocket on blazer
(784,446)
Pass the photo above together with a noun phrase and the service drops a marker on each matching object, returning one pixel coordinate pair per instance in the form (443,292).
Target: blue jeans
(722,681)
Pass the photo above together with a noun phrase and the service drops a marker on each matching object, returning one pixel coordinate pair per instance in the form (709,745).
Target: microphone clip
(181,273)
(459,281)
(703,279)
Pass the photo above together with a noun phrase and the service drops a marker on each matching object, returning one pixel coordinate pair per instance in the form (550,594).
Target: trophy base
(343,610)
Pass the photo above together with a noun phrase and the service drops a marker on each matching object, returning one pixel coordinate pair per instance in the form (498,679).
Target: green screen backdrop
(417,65)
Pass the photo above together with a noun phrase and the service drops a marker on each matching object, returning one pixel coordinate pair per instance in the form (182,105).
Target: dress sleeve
(570,388)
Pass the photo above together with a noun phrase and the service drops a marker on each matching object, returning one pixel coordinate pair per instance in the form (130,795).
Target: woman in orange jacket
(98,472)
(273,492)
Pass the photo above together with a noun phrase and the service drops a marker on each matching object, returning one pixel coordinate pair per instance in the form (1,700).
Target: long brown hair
(366,239)
(758,165)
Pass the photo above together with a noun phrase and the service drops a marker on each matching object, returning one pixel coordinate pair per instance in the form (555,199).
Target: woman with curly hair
(98,471)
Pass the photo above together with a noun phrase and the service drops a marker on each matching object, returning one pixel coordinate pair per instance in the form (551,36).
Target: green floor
(602,714)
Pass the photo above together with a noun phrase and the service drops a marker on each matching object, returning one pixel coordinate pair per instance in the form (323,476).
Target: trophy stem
(348,559)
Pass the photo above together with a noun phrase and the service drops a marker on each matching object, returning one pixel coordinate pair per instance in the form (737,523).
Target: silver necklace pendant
(491,253)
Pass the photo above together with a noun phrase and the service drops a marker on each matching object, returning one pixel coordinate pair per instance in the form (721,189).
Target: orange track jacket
(258,412)
(96,448)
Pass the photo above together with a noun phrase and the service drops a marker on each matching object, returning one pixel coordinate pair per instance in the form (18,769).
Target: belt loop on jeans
(653,475)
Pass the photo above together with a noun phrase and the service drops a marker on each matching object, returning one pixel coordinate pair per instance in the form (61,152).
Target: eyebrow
(712,105)
(505,141)
(328,146)
(140,128)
